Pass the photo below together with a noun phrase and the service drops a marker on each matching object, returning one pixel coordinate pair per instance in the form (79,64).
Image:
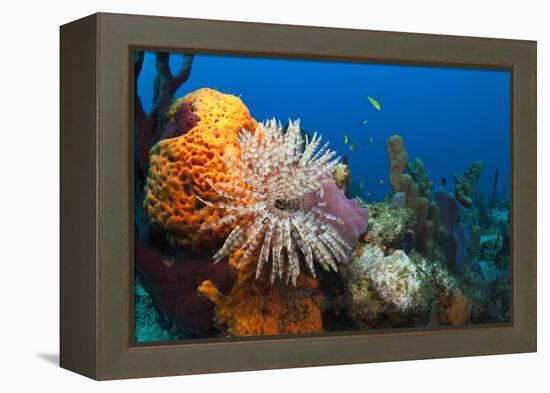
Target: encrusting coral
(181,167)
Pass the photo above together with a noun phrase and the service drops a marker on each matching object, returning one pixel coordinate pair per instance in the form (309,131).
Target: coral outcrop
(396,279)
(389,291)
(388,226)
(180,168)
(400,290)
(392,285)
(418,188)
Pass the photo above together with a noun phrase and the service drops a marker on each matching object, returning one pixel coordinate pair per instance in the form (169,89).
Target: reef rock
(396,279)
(388,225)
(400,290)
(389,291)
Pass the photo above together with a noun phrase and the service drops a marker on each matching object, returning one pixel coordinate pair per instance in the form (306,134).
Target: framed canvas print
(239,196)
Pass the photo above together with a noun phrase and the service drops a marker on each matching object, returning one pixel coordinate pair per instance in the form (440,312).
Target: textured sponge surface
(181,167)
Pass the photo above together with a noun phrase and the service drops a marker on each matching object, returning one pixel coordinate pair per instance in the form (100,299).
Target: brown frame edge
(96,195)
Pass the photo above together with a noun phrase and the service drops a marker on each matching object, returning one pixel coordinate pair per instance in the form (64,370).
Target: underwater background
(449,118)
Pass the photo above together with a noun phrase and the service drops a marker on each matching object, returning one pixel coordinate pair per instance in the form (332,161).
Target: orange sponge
(179,168)
(257,307)
(458,309)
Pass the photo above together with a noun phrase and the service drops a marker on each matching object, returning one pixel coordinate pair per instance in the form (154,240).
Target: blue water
(449,117)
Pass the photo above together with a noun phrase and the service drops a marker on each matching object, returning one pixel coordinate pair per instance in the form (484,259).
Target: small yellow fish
(374,103)
(345,139)
(363,122)
(381,181)
(352,147)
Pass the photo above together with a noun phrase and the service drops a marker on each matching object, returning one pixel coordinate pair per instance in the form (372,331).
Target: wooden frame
(96,196)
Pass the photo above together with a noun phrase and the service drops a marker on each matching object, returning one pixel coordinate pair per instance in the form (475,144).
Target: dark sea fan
(275,200)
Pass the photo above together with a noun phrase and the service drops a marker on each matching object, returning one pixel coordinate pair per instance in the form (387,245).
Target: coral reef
(180,169)
(392,285)
(400,290)
(417,186)
(464,186)
(276,199)
(220,175)
(297,254)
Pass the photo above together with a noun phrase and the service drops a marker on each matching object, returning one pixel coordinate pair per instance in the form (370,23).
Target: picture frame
(96,262)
